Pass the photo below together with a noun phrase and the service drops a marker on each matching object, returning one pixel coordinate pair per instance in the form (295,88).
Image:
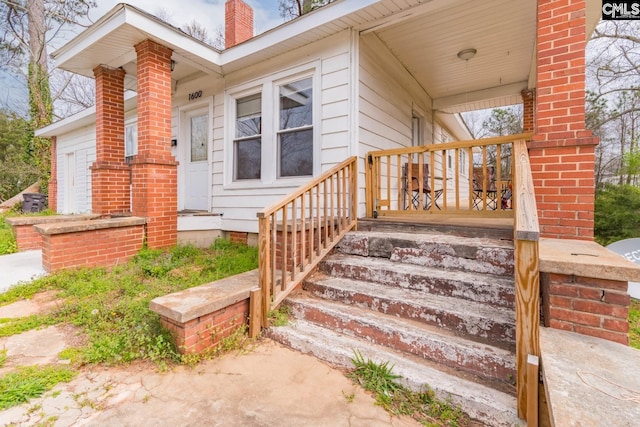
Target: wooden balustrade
(297,232)
(464,177)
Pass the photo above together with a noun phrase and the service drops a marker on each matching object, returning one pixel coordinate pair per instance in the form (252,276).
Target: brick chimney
(238,22)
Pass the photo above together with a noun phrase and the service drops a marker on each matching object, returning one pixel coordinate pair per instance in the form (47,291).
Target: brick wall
(528,110)
(110,183)
(154,169)
(562,150)
(204,333)
(238,237)
(589,306)
(104,247)
(238,22)
(27,237)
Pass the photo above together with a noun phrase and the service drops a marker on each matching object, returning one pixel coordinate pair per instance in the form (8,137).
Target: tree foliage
(617,213)
(290,9)
(15,171)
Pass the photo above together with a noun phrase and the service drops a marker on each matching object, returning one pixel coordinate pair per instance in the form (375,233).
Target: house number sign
(195,95)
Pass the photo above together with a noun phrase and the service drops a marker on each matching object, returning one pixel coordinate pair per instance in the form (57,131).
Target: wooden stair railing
(297,232)
(526,238)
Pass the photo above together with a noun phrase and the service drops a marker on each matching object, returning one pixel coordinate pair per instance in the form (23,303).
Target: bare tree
(290,9)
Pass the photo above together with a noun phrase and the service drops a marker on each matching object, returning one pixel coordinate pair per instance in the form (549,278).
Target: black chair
(485,192)
(411,191)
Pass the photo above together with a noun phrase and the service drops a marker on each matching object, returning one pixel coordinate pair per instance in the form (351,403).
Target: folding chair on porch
(485,192)
(411,191)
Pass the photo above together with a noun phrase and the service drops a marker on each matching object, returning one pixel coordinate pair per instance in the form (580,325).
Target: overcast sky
(209,13)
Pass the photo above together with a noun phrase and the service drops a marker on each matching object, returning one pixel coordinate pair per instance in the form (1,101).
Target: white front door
(196,159)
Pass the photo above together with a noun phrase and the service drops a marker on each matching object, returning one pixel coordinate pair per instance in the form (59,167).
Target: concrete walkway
(20,267)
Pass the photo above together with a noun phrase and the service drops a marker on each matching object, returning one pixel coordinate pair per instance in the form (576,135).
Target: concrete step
(487,405)
(492,228)
(480,322)
(488,289)
(482,255)
(432,343)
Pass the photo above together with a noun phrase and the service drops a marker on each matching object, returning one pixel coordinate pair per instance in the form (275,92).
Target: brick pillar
(528,109)
(109,173)
(562,150)
(238,22)
(155,181)
(53,179)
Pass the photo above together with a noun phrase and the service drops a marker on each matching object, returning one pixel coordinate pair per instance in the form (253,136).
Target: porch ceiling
(503,33)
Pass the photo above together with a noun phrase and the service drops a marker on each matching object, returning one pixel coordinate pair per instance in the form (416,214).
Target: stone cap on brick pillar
(585,258)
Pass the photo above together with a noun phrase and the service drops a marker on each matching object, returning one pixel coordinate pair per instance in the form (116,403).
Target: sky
(208,13)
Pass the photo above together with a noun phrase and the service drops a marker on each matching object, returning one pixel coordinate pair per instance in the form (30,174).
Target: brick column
(109,173)
(562,150)
(155,180)
(528,109)
(53,178)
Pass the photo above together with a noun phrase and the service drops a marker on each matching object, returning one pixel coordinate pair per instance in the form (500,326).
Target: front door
(196,159)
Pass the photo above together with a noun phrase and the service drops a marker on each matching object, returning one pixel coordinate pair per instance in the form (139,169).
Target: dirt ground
(264,385)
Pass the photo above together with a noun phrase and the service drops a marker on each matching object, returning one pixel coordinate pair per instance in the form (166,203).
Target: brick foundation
(204,333)
(589,306)
(238,237)
(90,243)
(27,237)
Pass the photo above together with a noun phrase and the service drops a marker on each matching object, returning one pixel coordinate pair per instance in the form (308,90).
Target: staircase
(438,307)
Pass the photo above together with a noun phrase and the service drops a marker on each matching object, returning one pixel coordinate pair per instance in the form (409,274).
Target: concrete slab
(20,267)
(268,385)
(589,381)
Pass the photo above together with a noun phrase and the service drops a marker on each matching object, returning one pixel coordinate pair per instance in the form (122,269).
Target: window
(199,138)
(295,131)
(248,138)
(131,139)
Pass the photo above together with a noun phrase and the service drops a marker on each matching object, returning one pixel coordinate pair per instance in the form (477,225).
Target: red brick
(604,334)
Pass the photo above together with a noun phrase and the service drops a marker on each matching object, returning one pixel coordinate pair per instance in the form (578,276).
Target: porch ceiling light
(467,54)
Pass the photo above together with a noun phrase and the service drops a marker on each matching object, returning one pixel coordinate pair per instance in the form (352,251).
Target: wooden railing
(526,238)
(297,232)
(464,177)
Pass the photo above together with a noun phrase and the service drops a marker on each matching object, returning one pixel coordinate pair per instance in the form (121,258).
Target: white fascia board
(294,28)
(479,95)
(83,118)
(455,124)
(105,25)
(124,15)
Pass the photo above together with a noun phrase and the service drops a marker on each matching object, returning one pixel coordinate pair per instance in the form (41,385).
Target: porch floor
(500,228)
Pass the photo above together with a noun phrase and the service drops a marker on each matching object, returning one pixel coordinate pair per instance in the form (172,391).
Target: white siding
(81,142)
(240,203)
(388,98)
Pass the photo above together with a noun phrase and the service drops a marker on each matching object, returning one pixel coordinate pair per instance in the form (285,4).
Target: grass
(423,406)
(7,239)
(279,316)
(112,306)
(32,381)
(634,323)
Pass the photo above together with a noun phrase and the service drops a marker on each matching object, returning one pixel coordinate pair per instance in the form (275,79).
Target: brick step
(481,255)
(489,406)
(476,321)
(488,289)
(432,343)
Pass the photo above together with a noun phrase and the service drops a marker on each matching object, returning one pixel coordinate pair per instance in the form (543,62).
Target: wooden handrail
(526,238)
(298,231)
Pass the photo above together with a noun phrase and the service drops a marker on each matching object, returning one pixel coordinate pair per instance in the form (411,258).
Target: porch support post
(155,182)
(52,191)
(528,110)
(562,151)
(109,173)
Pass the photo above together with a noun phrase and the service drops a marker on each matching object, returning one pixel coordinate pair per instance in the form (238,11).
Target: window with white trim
(271,134)
(295,130)
(131,139)
(247,143)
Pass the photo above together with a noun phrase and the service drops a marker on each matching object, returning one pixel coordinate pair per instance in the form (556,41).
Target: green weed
(3,357)
(112,306)
(634,323)
(423,406)
(279,316)
(32,381)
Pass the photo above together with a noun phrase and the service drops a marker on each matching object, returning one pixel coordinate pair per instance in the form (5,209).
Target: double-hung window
(247,144)
(295,129)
